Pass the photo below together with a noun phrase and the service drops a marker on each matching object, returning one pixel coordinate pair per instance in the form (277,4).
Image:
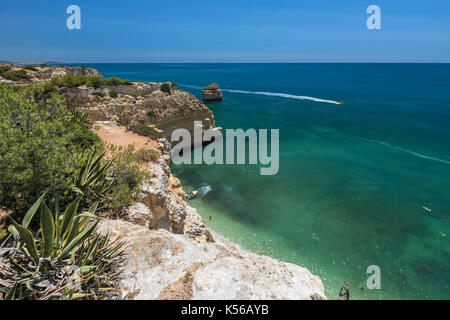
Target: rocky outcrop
(139,102)
(44,73)
(161,265)
(212,93)
(162,201)
(142,103)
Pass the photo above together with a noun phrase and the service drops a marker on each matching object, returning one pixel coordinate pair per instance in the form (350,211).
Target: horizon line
(228,62)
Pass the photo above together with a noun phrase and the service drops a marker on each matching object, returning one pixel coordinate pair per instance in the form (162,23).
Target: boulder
(212,93)
(158,264)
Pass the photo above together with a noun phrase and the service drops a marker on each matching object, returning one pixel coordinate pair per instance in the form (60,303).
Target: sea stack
(212,93)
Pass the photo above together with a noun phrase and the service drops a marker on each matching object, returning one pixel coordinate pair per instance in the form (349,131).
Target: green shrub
(128,176)
(81,117)
(187,277)
(147,155)
(15,75)
(39,146)
(113,94)
(95,82)
(64,246)
(49,86)
(3,233)
(77,80)
(4,68)
(114,81)
(146,131)
(165,87)
(31,68)
(99,93)
(151,113)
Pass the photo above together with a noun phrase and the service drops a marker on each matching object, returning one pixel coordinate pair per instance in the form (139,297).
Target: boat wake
(272,94)
(408,151)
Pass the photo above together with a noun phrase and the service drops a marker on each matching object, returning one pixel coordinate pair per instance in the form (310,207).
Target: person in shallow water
(344,292)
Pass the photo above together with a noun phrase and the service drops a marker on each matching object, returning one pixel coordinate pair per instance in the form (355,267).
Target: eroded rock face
(44,73)
(161,265)
(212,93)
(162,202)
(139,103)
(169,253)
(142,103)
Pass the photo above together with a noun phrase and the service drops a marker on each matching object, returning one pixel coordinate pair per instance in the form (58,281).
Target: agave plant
(42,264)
(93,178)
(80,117)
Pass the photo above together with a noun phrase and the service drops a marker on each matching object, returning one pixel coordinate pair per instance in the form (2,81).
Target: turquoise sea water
(355,176)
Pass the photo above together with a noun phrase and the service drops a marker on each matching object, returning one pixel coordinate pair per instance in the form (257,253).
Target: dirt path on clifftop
(119,136)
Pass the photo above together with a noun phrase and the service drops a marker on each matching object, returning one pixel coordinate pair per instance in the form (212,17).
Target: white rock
(161,265)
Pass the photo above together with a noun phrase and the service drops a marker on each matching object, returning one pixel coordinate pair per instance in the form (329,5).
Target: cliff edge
(170,254)
(168,251)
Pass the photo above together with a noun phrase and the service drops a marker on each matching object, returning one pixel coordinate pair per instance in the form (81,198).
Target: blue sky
(225,31)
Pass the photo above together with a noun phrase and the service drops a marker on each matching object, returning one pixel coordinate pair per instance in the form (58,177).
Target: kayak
(191,195)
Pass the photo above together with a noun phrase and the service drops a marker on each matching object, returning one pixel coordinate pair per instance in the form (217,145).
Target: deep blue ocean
(353,177)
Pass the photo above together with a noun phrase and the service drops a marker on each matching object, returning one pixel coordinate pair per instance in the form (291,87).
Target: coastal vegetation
(127,173)
(44,146)
(113,94)
(31,68)
(147,155)
(77,80)
(63,259)
(99,93)
(165,87)
(49,160)
(5,72)
(39,146)
(146,131)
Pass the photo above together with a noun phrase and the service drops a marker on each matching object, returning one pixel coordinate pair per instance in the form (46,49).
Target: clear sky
(225,31)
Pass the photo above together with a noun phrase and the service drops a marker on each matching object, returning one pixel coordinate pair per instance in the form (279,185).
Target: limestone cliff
(145,103)
(44,73)
(142,103)
(170,254)
(168,251)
